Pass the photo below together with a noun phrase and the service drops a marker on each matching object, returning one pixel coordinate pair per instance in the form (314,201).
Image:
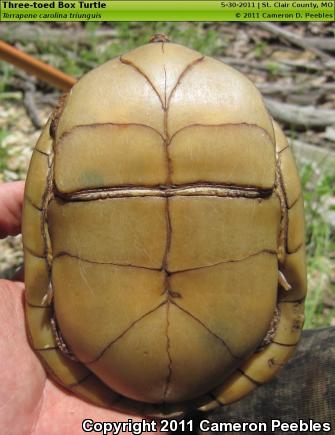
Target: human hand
(30,403)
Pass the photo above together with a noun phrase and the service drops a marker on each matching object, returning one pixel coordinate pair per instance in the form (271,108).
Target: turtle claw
(60,341)
(283,281)
(48,297)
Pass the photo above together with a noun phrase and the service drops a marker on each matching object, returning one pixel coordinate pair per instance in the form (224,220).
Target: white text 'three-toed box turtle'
(164,236)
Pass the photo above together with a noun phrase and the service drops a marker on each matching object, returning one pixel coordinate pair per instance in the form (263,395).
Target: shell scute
(164,198)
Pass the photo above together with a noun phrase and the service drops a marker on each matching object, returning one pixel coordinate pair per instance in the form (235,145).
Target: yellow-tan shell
(163,220)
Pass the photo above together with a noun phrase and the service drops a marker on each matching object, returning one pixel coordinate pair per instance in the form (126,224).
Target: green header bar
(166,10)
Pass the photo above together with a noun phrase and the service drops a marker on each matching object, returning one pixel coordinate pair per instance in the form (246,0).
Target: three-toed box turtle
(164,236)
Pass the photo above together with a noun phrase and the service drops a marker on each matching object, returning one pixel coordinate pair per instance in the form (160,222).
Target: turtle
(163,232)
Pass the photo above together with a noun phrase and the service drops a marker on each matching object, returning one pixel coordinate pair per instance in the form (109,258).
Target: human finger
(11,200)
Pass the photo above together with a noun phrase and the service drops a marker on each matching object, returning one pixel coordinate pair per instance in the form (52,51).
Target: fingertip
(11,201)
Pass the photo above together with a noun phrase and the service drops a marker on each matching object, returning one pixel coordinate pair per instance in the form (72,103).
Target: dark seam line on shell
(216,399)
(63,253)
(165,106)
(80,381)
(166,291)
(56,115)
(123,333)
(168,236)
(182,75)
(25,247)
(207,329)
(295,249)
(42,349)
(121,124)
(32,203)
(287,147)
(282,185)
(224,124)
(165,82)
(48,195)
(142,73)
(37,306)
(41,152)
(295,201)
(116,124)
(264,251)
(271,331)
(296,301)
(204,184)
(225,193)
(48,192)
(169,374)
(107,196)
(249,377)
(166,133)
(272,128)
(161,189)
(45,201)
(284,344)
(60,341)
(282,242)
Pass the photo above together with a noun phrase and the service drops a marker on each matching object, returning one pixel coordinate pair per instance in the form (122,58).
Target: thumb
(11,200)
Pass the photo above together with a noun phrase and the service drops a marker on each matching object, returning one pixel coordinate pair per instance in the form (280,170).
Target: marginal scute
(134,407)
(291,179)
(281,141)
(237,386)
(293,265)
(211,405)
(206,403)
(40,327)
(44,143)
(36,279)
(294,269)
(32,229)
(37,179)
(291,322)
(91,387)
(263,365)
(296,227)
(61,368)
